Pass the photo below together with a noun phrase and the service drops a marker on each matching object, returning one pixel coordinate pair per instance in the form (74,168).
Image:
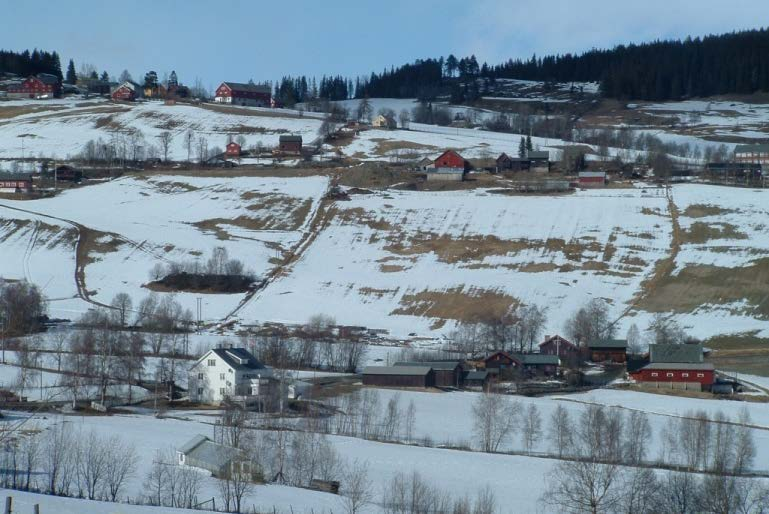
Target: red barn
(233,149)
(592,179)
(451,159)
(243,94)
(43,85)
(677,374)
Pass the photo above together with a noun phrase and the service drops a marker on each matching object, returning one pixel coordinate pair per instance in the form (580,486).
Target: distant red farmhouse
(15,183)
(43,85)
(501,360)
(290,144)
(233,149)
(592,179)
(243,94)
(608,350)
(702,373)
(451,159)
(126,92)
(557,345)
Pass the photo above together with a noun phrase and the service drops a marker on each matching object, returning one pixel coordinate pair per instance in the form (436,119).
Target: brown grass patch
(648,211)
(248,129)
(700,210)
(359,215)
(379,293)
(700,232)
(384,146)
(18,110)
(451,250)
(391,268)
(472,305)
(174,187)
(696,285)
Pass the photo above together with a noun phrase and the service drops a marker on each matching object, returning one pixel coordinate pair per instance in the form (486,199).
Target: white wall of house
(211,379)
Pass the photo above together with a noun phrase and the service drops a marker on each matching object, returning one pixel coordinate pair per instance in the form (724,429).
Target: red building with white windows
(233,149)
(15,183)
(43,85)
(669,373)
(235,93)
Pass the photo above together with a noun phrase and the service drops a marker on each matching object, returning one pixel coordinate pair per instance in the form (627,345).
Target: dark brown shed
(399,376)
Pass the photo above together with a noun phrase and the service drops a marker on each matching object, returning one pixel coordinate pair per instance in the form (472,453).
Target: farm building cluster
(663,366)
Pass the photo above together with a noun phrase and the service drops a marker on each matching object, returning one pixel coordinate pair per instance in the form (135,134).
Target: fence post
(36,509)
(8,504)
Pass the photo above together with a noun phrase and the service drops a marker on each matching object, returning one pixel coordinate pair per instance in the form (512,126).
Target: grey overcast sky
(262,40)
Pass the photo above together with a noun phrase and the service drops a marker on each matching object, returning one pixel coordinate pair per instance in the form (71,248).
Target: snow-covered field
(153,220)
(401,259)
(443,417)
(62,132)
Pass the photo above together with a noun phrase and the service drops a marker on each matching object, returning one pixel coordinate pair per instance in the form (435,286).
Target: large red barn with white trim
(236,93)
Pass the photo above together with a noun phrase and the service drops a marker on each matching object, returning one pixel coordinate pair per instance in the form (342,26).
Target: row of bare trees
(411,493)
(517,330)
(87,465)
(219,263)
(308,352)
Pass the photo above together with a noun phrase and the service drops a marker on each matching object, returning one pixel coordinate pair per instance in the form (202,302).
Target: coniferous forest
(30,63)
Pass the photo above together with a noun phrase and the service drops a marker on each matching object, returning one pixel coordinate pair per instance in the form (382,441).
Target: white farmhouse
(227,373)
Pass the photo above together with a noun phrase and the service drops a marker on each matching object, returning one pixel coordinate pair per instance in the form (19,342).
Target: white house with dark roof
(227,373)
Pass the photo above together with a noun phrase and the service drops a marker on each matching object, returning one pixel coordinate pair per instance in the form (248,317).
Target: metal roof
(251,88)
(476,375)
(608,343)
(439,365)
(538,155)
(290,139)
(193,443)
(238,358)
(397,370)
(675,353)
(592,174)
(213,454)
(533,359)
(15,176)
(761,147)
(702,366)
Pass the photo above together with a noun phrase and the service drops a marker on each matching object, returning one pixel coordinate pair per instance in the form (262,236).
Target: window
(200,376)
(655,374)
(221,391)
(670,374)
(685,375)
(212,362)
(700,375)
(221,376)
(229,370)
(200,391)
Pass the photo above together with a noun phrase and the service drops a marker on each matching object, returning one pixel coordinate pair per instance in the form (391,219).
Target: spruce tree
(71,75)
(529,147)
(522,148)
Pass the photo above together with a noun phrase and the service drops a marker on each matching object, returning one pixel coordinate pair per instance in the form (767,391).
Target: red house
(557,345)
(681,373)
(15,183)
(126,92)
(243,94)
(233,149)
(530,362)
(290,144)
(43,85)
(451,159)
